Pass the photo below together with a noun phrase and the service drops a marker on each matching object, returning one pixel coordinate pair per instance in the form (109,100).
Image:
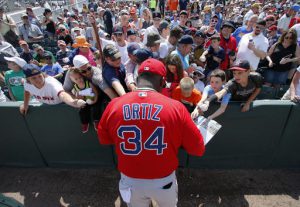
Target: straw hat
(81,42)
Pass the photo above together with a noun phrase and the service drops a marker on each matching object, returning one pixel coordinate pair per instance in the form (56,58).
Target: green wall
(265,137)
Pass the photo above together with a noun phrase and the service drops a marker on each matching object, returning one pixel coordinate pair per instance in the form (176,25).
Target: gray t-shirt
(239,93)
(96,79)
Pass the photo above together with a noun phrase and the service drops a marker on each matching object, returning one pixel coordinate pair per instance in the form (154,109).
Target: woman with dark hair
(281,57)
(174,74)
(48,23)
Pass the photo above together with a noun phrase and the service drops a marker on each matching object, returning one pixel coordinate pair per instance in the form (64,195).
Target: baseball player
(147,129)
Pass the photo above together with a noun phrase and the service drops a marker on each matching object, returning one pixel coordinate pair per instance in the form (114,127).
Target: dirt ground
(197,188)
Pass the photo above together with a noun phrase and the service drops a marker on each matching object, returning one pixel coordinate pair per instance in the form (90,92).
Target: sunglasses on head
(86,70)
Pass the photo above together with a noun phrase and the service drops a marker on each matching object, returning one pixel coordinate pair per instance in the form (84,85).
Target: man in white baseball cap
(14,78)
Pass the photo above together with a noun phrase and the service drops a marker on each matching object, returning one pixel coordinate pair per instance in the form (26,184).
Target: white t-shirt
(48,94)
(244,53)
(297,28)
(124,53)
(247,16)
(283,22)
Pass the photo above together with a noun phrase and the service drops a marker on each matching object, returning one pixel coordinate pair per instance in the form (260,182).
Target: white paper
(86,92)
(207,128)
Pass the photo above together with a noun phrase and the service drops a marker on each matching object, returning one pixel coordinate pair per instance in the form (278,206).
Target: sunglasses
(118,34)
(288,37)
(48,58)
(86,70)
(258,27)
(214,20)
(268,20)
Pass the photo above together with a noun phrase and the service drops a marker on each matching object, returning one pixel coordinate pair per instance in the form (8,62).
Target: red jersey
(147,129)
(228,46)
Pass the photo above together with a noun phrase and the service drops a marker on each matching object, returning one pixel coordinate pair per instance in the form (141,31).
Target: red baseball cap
(272,28)
(153,66)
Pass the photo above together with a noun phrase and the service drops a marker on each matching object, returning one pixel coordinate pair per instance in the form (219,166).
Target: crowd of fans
(213,51)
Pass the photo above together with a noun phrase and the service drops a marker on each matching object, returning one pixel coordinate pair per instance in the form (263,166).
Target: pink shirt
(89,56)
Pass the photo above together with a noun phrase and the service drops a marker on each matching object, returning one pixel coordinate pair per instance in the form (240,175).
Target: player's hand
(204,106)
(245,107)
(23,109)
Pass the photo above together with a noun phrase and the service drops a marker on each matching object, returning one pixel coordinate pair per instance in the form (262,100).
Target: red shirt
(147,129)
(228,46)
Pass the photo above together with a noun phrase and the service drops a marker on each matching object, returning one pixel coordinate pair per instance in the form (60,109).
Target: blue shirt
(208,91)
(52,70)
(184,59)
(220,20)
(111,74)
(239,32)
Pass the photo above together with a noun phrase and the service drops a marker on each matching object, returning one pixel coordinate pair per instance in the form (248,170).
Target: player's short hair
(186,84)
(218,74)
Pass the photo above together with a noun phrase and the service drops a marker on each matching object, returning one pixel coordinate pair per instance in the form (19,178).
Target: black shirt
(239,93)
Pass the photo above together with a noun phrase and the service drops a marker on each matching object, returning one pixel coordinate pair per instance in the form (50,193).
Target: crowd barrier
(265,137)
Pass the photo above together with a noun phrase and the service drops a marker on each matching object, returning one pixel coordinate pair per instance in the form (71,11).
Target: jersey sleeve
(103,129)
(192,140)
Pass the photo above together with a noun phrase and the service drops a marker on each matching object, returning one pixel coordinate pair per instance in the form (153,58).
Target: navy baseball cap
(228,24)
(244,65)
(142,54)
(131,32)
(156,14)
(131,47)
(186,39)
(118,30)
(200,34)
(31,70)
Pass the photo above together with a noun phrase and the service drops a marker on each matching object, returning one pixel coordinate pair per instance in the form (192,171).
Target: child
(54,70)
(197,76)
(175,73)
(85,90)
(245,86)
(187,94)
(215,55)
(217,79)
(14,78)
